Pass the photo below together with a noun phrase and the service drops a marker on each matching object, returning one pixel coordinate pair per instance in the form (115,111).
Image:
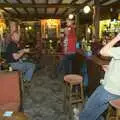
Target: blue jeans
(97,104)
(60,66)
(26,68)
(83,70)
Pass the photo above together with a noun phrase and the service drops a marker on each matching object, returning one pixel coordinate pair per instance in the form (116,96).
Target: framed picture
(52,31)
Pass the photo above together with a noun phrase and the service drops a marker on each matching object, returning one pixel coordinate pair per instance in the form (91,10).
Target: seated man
(14,54)
(110,87)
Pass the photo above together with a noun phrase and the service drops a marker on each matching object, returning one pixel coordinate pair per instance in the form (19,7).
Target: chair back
(10,91)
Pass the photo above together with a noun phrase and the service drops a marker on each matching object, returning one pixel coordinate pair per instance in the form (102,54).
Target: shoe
(27,83)
(53,76)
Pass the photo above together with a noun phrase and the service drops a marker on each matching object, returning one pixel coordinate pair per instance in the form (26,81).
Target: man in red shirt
(69,46)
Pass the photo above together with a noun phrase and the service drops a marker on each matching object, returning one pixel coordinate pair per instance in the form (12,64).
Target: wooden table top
(15,116)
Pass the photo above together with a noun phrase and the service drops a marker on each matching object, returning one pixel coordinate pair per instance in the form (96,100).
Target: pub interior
(53,82)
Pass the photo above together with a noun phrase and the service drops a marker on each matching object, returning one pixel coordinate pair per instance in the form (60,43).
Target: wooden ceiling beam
(6,1)
(7,11)
(16,10)
(104,1)
(73,1)
(46,8)
(39,16)
(29,5)
(36,11)
(60,1)
(22,4)
(80,5)
(13,8)
(115,5)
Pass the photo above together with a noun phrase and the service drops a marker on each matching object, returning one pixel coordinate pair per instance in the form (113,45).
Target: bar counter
(94,69)
(95,72)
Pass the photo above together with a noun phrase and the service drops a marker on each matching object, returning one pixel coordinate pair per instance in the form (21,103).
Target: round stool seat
(73,79)
(115,103)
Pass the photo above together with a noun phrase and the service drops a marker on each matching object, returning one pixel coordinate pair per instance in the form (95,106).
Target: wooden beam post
(96,19)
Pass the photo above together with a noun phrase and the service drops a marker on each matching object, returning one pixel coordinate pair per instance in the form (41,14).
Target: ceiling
(37,9)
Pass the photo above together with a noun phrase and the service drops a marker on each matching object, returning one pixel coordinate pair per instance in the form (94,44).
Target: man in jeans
(109,88)
(13,57)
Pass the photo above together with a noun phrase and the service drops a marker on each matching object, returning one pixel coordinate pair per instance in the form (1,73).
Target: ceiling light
(71,16)
(86,9)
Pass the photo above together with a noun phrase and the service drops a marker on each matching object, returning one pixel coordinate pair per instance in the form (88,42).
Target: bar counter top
(99,60)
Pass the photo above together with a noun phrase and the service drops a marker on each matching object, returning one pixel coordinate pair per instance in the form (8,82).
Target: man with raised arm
(109,88)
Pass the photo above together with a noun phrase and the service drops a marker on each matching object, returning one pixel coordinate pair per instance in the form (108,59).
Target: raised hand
(118,37)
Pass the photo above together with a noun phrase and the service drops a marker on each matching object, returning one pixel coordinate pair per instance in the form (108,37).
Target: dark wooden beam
(6,1)
(16,10)
(73,1)
(39,16)
(13,8)
(60,1)
(80,6)
(104,1)
(46,8)
(115,5)
(7,11)
(22,4)
(29,5)
(96,19)
(65,11)
(36,11)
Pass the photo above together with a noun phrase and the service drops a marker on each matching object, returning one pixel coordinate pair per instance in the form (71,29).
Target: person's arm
(20,53)
(105,67)
(105,51)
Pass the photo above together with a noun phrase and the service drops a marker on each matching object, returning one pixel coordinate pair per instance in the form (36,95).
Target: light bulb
(86,9)
(71,16)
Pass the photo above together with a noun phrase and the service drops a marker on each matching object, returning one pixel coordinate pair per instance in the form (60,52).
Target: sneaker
(27,83)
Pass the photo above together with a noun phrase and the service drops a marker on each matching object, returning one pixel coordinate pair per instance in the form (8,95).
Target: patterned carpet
(43,100)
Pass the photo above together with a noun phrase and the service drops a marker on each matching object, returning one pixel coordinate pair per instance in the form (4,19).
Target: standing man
(69,46)
(14,54)
(110,87)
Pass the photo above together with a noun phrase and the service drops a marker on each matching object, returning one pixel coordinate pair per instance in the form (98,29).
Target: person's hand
(26,50)
(118,37)
(105,67)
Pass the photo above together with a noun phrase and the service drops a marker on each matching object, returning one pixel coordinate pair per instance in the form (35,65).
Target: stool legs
(113,114)
(65,97)
(118,115)
(109,113)
(71,97)
(70,102)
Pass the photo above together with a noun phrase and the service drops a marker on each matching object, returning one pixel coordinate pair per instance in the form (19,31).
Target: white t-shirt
(111,80)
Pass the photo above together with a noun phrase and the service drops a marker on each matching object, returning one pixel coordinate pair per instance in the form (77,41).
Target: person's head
(69,22)
(15,36)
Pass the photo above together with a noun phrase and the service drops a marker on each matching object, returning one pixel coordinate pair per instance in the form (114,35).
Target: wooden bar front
(95,72)
(94,69)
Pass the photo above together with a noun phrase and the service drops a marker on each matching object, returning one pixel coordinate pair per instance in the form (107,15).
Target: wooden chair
(10,91)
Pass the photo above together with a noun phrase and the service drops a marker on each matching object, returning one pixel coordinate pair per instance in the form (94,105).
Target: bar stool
(114,110)
(73,92)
